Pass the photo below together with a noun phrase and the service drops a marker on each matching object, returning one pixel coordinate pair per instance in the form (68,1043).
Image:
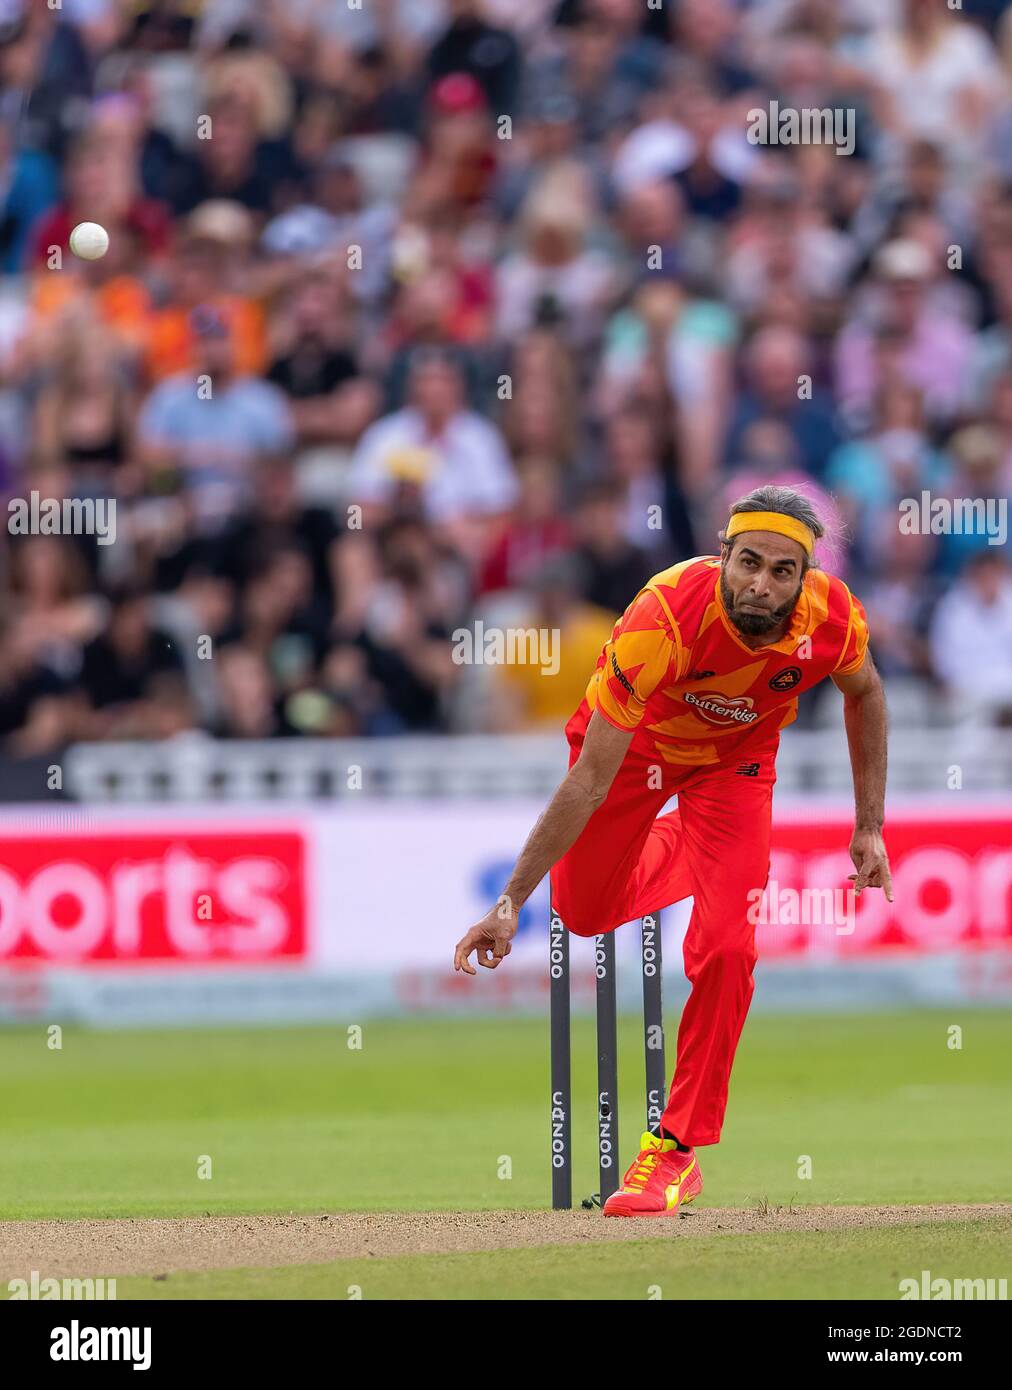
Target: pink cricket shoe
(661,1180)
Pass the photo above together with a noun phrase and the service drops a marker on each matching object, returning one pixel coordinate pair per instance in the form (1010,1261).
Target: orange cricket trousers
(715,847)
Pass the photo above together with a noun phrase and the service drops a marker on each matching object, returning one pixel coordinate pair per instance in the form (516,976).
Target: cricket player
(688,698)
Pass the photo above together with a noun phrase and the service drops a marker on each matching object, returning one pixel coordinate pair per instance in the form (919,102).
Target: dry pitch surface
(152,1247)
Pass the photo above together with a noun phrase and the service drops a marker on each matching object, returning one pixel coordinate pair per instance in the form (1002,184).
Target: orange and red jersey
(676,670)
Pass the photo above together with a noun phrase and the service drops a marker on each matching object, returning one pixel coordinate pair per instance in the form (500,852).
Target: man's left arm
(864,715)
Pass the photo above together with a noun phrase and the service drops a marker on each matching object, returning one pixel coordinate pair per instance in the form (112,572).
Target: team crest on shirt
(786,679)
(722,709)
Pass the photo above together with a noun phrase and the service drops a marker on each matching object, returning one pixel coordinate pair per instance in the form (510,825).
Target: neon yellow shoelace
(642,1169)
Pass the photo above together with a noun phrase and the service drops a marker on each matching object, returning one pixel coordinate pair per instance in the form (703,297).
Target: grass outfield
(453,1116)
(428,1114)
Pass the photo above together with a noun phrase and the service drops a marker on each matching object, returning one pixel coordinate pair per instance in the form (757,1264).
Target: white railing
(199,768)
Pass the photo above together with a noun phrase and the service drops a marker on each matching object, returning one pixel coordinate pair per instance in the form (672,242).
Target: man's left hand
(868,851)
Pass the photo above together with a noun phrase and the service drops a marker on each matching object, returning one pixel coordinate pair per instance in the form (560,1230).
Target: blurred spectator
(557,278)
(316,368)
(199,608)
(981,476)
(280,620)
(676,349)
(541,416)
(535,531)
(993,348)
(207,430)
(653,226)
(335,215)
(776,361)
(905,334)
(39,708)
(459,158)
(445,295)
(717,164)
(50,603)
(28,189)
(633,460)
(785,246)
(437,456)
(396,618)
(899,597)
(935,78)
(605,63)
(922,183)
(488,54)
(542,693)
(975,616)
(708,31)
(349,701)
(247,702)
(84,416)
(132,675)
(550,136)
(611,566)
(871,475)
(206,270)
(1000,408)
(235,162)
(45,74)
(274,518)
(101,186)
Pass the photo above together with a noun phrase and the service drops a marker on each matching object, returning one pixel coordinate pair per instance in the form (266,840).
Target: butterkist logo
(722,709)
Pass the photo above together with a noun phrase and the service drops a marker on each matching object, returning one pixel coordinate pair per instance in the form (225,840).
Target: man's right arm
(579,795)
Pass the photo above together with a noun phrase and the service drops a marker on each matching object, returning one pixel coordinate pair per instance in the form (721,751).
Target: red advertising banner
(117,893)
(952,881)
(200,898)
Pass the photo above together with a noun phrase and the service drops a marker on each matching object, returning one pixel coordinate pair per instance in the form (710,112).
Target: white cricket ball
(89,240)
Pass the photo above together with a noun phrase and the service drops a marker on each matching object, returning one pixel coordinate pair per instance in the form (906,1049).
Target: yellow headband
(772,521)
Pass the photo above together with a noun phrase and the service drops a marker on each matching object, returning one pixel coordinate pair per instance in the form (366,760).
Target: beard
(755,624)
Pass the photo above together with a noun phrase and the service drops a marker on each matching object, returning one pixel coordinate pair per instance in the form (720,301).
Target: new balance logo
(747,770)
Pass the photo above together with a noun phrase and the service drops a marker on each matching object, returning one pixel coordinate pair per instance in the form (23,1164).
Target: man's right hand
(491,938)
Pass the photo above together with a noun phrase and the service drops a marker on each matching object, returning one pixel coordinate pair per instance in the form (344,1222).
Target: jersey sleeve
(854,648)
(644,648)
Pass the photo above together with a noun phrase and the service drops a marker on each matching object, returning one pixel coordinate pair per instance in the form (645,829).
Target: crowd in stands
(422,312)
